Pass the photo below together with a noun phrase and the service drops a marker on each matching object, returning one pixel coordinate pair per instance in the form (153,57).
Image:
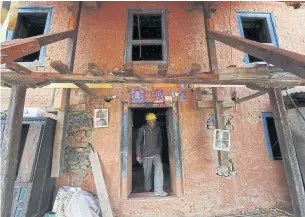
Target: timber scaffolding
(288,71)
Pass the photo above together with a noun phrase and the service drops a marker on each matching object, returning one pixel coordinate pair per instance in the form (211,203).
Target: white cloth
(74,202)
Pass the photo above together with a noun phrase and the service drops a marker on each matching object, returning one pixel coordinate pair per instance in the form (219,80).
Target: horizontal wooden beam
(17,68)
(209,79)
(17,48)
(60,67)
(287,60)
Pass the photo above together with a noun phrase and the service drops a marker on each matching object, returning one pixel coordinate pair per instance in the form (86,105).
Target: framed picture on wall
(221,140)
(100,118)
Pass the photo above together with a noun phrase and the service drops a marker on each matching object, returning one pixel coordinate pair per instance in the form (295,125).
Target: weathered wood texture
(229,76)
(28,156)
(292,169)
(297,126)
(10,147)
(60,67)
(17,68)
(15,49)
(252,96)
(100,185)
(95,69)
(287,60)
(218,93)
(60,133)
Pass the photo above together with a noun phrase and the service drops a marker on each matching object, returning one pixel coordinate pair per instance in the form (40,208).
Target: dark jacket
(149,141)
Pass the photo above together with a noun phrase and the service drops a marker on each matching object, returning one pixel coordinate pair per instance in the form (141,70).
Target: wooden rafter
(60,67)
(252,96)
(17,68)
(15,49)
(87,90)
(287,60)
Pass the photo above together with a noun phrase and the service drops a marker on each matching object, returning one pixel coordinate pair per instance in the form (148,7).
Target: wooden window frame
(31,10)
(271,27)
(164,41)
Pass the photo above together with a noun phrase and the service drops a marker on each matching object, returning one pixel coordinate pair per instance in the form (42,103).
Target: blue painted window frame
(258,15)
(266,115)
(29,10)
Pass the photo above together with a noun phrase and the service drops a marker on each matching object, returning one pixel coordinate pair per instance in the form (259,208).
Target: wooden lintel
(35,77)
(287,60)
(252,96)
(60,67)
(288,151)
(11,147)
(17,68)
(256,87)
(15,49)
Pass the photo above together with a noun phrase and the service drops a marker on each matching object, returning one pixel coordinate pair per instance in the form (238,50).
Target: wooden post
(292,169)
(223,158)
(10,147)
(60,135)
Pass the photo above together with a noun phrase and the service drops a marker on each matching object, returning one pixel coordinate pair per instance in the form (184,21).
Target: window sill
(149,196)
(147,62)
(249,65)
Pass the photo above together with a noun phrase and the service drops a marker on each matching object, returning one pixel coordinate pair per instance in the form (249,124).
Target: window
(257,27)
(32,21)
(146,36)
(271,139)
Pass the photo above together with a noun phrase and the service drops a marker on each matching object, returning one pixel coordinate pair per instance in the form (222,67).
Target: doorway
(138,120)
(132,177)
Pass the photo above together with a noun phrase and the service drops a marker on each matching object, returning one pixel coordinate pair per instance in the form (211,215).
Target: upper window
(32,21)
(257,27)
(146,36)
(271,139)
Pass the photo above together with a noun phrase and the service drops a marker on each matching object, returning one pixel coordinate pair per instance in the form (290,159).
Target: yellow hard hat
(150,117)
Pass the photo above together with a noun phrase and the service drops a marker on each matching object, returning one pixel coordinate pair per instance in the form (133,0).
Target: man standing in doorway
(148,148)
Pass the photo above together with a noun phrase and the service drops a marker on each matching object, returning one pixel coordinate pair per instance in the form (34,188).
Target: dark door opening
(138,119)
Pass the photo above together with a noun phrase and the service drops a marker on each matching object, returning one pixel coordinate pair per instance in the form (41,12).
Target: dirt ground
(272,212)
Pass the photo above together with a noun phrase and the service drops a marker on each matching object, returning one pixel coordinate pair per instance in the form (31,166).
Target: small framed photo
(100,118)
(221,140)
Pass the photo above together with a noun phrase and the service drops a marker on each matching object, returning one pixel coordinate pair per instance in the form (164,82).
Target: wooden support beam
(252,96)
(287,60)
(60,135)
(218,93)
(87,90)
(11,147)
(292,169)
(95,69)
(15,49)
(17,68)
(60,67)
(207,79)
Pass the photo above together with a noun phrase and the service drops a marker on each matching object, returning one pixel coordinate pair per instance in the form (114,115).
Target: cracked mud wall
(258,183)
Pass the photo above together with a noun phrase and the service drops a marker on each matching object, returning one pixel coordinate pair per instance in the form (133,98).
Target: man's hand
(139,159)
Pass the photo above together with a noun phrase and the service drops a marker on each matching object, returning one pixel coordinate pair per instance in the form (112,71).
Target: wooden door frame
(124,147)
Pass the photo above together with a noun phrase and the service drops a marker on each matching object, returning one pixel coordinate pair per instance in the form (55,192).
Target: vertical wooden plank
(292,169)
(28,158)
(10,147)
(60,133)
(223,158)
(100,185)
